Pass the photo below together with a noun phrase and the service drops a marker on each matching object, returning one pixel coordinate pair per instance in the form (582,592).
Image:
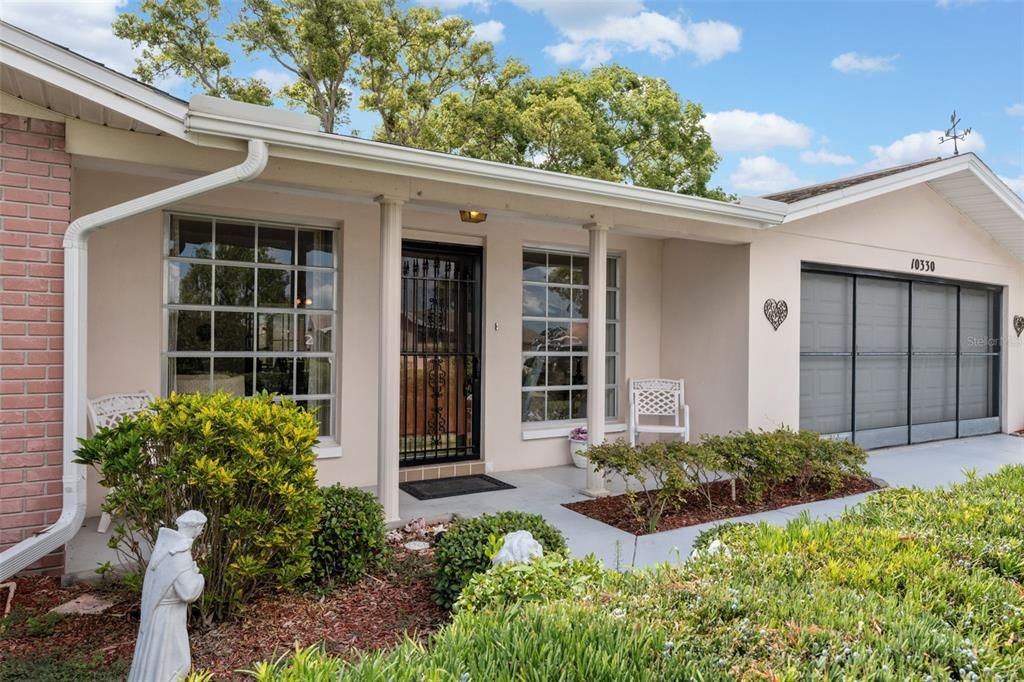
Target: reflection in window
(250,307)
(556,307)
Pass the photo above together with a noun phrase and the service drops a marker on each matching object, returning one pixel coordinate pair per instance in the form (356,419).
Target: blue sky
(795,92)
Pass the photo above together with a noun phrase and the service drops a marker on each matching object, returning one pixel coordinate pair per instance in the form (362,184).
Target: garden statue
(518,547)
(171,583)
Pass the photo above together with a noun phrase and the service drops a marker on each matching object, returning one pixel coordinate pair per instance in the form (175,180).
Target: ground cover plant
(670,484)
(911,585)
(351,537)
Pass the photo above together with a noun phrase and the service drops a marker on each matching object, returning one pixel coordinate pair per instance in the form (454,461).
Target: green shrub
(351,536)
(247,463)
(911,585)
(550,577)
(764,460)
(466,548)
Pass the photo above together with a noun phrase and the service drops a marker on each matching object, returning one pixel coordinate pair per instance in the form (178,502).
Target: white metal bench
(107,411)
(658,398)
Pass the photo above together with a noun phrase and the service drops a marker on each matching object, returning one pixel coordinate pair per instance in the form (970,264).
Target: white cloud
(596,30)
(274,79)
(825,157)
(954,3)
(1016,184)
(918,147)
(449,5)
(80,25)
(851,62)
(763,175)
(493,31)
(740,130)
(1015,109)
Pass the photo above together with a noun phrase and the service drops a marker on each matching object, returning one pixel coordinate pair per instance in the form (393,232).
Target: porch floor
(544,491)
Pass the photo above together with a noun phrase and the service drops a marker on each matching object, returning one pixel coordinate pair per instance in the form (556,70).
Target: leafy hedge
(912,585)
(467,546)
(351,537)
(247,463)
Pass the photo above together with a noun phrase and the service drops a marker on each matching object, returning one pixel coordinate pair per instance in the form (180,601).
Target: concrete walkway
(544,491)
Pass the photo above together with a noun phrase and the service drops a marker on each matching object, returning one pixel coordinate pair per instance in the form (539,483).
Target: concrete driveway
(543,491)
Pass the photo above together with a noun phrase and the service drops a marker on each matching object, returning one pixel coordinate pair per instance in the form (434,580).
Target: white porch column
(390,354)
(596,343)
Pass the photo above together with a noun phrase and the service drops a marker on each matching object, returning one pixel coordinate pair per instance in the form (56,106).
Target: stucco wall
(884,233)
(125,321)
(704,330)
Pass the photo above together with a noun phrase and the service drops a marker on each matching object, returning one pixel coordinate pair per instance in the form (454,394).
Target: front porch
(544,491)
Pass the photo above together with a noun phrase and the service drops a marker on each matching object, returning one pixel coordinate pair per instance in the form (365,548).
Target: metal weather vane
(951,133)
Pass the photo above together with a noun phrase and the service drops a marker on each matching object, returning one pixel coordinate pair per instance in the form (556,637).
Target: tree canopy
(433,85)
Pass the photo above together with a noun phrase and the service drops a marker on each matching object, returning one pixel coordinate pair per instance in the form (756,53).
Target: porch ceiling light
(468,216)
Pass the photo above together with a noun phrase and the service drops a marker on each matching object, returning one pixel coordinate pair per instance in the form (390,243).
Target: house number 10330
(922,265)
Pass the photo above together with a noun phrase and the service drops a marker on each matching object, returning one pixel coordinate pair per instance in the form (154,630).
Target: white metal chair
(658,398)
(107,411)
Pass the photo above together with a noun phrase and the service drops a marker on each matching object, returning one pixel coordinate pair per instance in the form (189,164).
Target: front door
(440,373)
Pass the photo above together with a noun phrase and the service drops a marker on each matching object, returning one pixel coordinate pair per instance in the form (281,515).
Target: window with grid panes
(556,308)
(250,307)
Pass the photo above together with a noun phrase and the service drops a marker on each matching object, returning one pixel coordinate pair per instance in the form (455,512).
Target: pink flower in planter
(578,434)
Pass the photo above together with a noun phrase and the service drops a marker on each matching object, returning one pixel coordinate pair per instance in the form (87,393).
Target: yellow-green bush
(247,463)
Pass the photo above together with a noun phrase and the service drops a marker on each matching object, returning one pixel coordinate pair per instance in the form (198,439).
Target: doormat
(450,487)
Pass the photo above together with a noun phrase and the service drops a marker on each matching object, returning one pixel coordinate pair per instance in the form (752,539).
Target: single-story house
(437,310)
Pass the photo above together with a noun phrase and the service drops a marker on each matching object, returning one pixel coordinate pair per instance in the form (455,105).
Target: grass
(912,585)
(57,667)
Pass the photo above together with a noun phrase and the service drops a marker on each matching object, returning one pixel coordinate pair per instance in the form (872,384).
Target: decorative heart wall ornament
(1018,324)
(776,312)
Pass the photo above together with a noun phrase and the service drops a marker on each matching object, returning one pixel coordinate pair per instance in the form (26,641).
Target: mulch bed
(376,613)
(615,511)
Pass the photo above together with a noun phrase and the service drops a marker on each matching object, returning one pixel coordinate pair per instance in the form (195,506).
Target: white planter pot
(576,448)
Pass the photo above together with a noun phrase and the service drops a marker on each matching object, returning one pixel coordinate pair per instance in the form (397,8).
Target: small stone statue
(518,547)
(171,583)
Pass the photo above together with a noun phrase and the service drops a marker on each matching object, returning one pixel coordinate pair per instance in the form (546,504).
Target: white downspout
(28,551)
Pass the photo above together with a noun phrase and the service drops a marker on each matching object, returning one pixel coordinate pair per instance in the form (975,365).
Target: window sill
(327,449)
(562,430)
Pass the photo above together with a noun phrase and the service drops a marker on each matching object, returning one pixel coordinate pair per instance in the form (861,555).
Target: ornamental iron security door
(440,373)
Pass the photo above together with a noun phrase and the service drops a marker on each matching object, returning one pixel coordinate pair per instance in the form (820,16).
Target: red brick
(57,256)
(45,358)
(13,269)
(10,151)
(34,416)
(45,270)
(13,239)
(11,357)
(45,241)
(57,171)
(50,184)
(27,225)
(27,139)
(55,399)
(22,520)
(36,255)
(13,122)
(43,386)
(22,462)
(26,196)
(55,128)
(15,210)
(50,156)
(21,431)
(12,506)
(50,212)
(12,388)
(11,298)
(60,199)
(25,284)
(46,445)
(56,286)
(46,300)
(12,328)
(24,343)
(22,402)
(44,329)
(33,168)
(23,373)
(11,446)
(43,503)
(14,314)
(14,180)
(10,476)
(48,473)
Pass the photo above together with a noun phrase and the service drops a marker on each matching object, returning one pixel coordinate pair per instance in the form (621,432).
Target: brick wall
(35,193)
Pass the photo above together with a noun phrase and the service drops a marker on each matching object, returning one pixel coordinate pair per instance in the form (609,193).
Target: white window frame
(541,428)
(328,444)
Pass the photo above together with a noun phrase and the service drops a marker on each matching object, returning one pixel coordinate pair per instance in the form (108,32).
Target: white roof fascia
(64,69)
(898,181)
(428,165)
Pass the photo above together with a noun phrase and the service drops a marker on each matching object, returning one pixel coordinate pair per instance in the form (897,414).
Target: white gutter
(30,550)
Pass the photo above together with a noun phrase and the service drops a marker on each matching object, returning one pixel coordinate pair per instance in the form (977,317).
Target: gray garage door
(887,360)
